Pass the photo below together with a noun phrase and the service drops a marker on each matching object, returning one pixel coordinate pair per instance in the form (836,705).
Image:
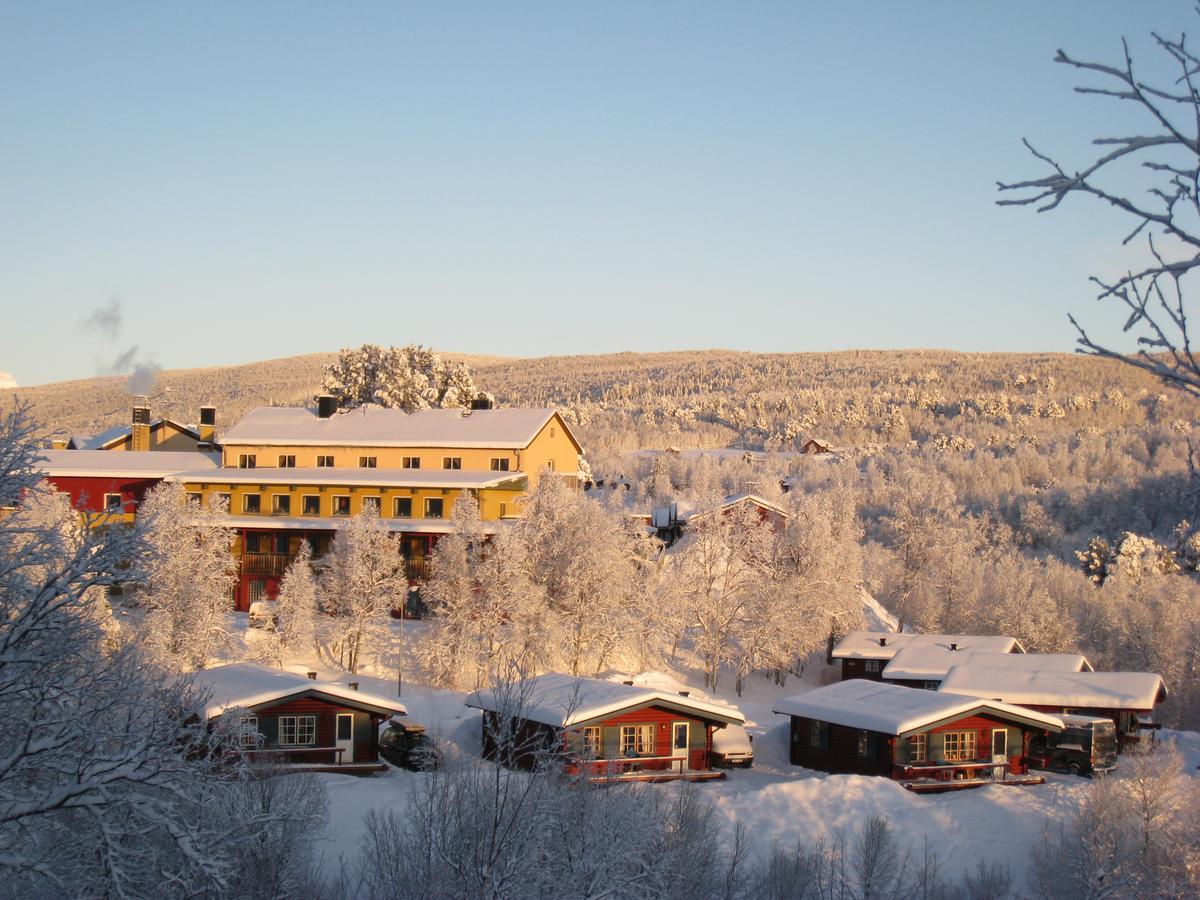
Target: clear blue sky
(264,179)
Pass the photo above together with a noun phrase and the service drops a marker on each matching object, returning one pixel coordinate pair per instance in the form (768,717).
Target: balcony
(417,568)
(269,564)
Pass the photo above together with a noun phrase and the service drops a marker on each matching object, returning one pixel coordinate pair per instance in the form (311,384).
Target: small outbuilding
(929,740)
(603,729)
(866,654)
(1130,699)
(297,720)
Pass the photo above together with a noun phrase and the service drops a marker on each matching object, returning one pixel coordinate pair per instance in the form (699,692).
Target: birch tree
(186,575)
(295,620)
(362,579)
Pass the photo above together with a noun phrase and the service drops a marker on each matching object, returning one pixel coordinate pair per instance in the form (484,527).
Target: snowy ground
(774,801)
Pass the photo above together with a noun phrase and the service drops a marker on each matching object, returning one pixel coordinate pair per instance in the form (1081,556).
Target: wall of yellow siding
(490,499)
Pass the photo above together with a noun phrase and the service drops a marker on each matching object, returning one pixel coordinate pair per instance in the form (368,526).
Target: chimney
(140,425)
(58,443)
(208,424)
(953,647)
(630,683)
(326,406)
(353,685)
(883,642)
(685,693)
(482,401)
(312,676)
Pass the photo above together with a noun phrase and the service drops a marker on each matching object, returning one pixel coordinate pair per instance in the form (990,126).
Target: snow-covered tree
(409,378)
(295,616)
(362,578)
(186,575)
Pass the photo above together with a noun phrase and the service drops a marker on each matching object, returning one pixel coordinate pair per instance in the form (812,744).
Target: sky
(230,182)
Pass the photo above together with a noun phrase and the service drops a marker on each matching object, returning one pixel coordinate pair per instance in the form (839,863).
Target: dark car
(405,744)
(1086,746)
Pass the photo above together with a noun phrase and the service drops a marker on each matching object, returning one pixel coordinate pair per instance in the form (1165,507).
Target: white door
(344,737)
(1000,752)
(680,735)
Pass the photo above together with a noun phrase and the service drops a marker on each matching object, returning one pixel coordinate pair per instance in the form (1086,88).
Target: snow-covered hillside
(7,381)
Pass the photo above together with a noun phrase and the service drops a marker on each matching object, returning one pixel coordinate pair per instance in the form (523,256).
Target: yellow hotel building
(292,474)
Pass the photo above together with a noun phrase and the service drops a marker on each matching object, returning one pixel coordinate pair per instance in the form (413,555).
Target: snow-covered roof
(125,463)
(377,426)
(733,500)
(1082,690)
(333,523)
(117,433)
(892,709)
(564,700)
(931,661)
(886,644)
(424,478)
(246,686)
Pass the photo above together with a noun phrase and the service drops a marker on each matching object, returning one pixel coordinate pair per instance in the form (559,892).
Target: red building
(115,482)
(926,739)
(602,729)
(299,720)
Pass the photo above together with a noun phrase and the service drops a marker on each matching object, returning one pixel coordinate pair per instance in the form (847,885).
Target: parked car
(406,744)
(731,746)
(1086,746)
(264,614)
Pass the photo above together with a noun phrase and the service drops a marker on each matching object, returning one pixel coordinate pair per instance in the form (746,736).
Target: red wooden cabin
(924,738)
(601,729)
(295,720)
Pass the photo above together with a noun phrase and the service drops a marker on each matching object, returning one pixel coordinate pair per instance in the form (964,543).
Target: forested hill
(715,397)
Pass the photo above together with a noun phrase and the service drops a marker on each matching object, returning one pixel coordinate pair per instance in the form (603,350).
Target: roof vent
(684,693)
(353,685)
(326,406)
(483,400)
(312,676)
(883,642)
(953,647)
(630,683)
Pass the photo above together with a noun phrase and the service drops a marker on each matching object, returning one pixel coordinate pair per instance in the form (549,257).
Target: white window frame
(325,461)
(918,747)
(333,505)
(246,511)
(638,738)
(550,465)
(452,462)
(593,741)
(429,500)
(368,462)
(410,462)
(109,506)
(369,499)
(248,461)
(226,498)
(396,514)
(304,498)
(965,747)
(287,460)
(500,464)
(872,665)
(249,740)
(275,501)
(301,726)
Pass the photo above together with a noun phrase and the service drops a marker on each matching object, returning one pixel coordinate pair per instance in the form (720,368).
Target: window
(252,542)
(366,462)
(345,727)
(402,507)
(503,510)
(918,747)
(341,506)
(112,503)
(637,740)
(281,543)
(297,730)
(247,461)
(868,744)
(931,685)
(499,464)
(224,502)
(871,665)
(195,498)
(550,465)
(959,745)
(370,503)
(281,505)
(433,507)
(819,734)
(324,462)
(287,461)
(451,462)
(592,746)
(249,729)
(410,462)
(251,503)
(310,505)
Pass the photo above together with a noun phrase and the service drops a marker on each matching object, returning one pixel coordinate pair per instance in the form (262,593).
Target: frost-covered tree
(106,767)
(186,575)
(295,615)
(409,378)
(362,578)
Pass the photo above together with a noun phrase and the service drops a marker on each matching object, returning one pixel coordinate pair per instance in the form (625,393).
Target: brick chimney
(140,425)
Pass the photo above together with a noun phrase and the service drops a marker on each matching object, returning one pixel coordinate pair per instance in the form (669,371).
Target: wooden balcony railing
(270,564)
